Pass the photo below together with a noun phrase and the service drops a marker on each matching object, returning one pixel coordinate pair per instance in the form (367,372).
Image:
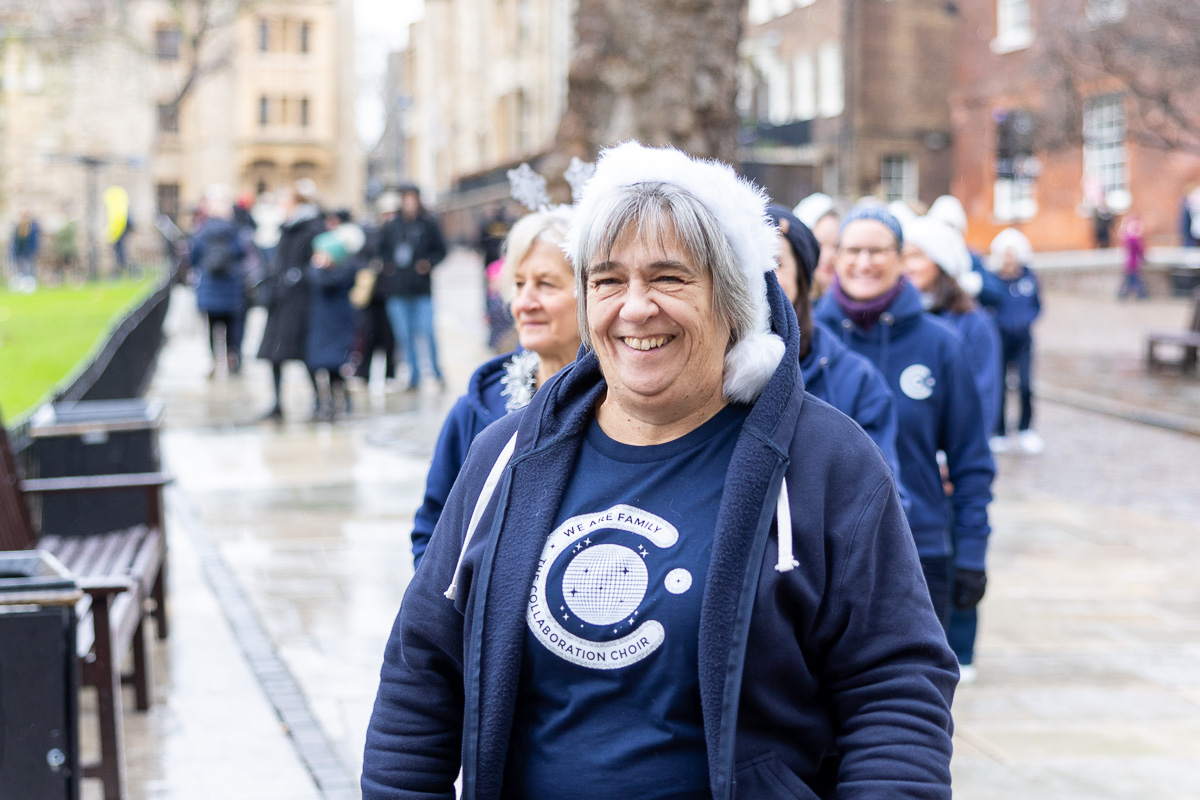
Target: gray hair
(660,210)
(540,226)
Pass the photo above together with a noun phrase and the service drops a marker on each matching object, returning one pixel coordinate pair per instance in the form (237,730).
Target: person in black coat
(218,255)
(286,333)
(410,246)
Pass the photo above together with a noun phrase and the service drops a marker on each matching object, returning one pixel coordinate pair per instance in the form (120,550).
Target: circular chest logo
(1026,286)
(917,382)
(605,583)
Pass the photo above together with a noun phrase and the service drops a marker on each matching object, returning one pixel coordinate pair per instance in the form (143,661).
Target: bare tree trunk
(659,71)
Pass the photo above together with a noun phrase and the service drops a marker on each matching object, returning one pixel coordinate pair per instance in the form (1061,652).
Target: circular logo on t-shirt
(1026,286)
(590,611)
(917,382)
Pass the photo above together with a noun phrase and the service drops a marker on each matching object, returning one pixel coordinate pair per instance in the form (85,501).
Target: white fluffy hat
(944,245)
(812,208)
(949,210)
(740,209)
(1010,239)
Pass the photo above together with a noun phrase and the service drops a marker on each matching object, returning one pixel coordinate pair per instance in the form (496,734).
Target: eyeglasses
(873,253)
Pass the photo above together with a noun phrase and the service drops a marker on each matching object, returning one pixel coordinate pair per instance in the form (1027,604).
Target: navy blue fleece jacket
(1014,302)
(938,408)
(479,407)
(851,384)
(831,679)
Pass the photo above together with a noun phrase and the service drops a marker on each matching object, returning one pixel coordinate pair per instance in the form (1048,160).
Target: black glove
(969,585)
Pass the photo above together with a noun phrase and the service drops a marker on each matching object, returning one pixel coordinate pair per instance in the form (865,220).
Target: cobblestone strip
(334,779)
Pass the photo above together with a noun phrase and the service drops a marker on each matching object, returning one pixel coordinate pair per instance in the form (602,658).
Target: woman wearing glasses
(879,314)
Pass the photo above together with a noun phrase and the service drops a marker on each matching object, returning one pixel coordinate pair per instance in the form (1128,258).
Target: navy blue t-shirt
(609,699)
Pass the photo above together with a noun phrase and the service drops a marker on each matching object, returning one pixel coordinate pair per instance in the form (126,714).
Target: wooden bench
(1187,341)
(120,573)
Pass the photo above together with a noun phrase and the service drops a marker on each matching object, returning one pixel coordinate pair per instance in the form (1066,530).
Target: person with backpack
(218,261)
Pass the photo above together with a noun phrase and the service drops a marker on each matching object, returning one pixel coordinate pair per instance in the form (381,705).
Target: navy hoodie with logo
(825,676)
(938,408)
(1013,302)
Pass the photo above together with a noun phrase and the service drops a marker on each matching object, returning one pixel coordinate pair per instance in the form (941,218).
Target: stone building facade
(84,106)
(848,97)
(488,82)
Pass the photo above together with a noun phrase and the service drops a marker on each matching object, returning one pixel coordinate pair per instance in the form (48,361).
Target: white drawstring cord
(485,494)
(783,532)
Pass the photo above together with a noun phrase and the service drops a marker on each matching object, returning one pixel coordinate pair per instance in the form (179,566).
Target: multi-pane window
(305,33)
(264,111)
(1017,169)
(304,112)
(898,178)
(264,36)
(1014,25)
(1105,157)
(166,43)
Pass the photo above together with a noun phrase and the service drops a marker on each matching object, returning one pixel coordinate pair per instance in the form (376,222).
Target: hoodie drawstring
(783,531)
(485,495)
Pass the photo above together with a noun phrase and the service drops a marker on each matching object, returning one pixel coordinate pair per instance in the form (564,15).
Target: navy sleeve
(890,672)
(448,456)
(875,411)
(971,469)
(414,739)
(981,341)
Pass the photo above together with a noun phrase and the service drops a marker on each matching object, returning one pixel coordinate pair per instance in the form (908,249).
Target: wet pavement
(290,556)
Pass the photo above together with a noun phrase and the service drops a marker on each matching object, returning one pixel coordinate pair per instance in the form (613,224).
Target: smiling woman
(634,575)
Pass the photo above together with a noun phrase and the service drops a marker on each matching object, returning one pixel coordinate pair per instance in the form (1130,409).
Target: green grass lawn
(46,335)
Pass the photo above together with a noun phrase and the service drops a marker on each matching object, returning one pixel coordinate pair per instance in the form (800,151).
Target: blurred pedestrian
(1011,294)
(218,255)
(331,323)
(26,241)
(410,246)
(540,286)
(819,214)
(879,314)
(374,329)
(935,259)
(1102,220)
(1189,219)
(285,336)
(1133,239)
(841,377)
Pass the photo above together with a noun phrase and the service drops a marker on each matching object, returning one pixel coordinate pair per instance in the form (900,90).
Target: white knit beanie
(1010,239)
(950,211)
(739,207)
(944,246)
(812,208)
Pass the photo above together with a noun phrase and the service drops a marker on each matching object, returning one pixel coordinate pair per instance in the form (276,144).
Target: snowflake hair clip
(577,175)
(529,188)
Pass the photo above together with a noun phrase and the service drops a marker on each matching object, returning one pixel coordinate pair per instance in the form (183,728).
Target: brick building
(848,97)
(1016,159)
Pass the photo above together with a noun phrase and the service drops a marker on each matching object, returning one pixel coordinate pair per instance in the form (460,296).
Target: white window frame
(804,86)
(1105,153)
(1014,199)
(831,87)
(907,178)
(1014,25)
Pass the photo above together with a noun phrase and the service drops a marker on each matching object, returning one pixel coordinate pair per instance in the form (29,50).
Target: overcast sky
(379,26)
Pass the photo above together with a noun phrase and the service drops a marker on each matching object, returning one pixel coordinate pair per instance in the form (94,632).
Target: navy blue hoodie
(852,385)
(832,678)
(938,408)
(479,407)
(1014,302)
